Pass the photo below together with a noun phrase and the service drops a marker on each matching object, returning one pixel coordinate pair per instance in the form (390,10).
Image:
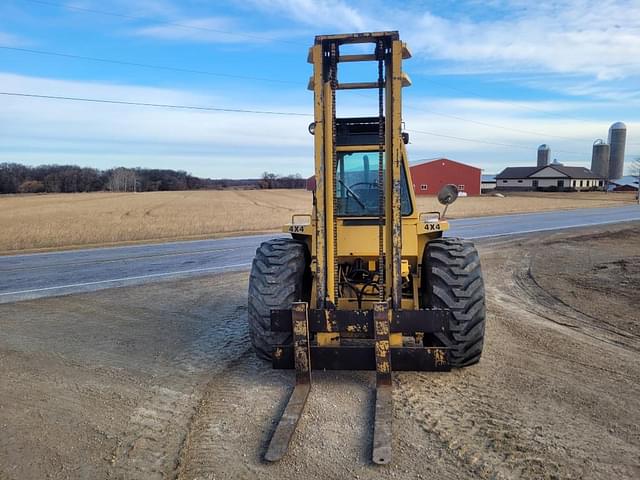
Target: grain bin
(543,155)
(617,141)
(600,159)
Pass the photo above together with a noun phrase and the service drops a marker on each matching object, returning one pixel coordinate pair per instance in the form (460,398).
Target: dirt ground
(158,381)
(54,221)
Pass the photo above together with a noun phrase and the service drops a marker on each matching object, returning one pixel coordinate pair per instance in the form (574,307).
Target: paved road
(39,275)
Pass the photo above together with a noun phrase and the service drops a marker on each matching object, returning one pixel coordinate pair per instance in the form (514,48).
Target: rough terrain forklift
(366,282)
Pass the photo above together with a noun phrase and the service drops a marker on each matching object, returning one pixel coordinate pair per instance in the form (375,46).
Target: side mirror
(447,195)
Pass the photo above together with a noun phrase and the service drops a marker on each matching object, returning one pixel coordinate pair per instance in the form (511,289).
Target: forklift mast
(325,55)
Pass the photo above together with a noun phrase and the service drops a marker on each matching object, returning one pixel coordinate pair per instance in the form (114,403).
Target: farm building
(624,184)
(548,177)
(488,183)
(429,176)
(311,183)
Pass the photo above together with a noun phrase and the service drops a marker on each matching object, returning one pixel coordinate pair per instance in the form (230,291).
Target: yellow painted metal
(297,229)
(412,194)
(360,240)
(405,269)
(328,339)
(395,339)
(409,304)
(329,198)
(319,209)
(393,126)
(406,53)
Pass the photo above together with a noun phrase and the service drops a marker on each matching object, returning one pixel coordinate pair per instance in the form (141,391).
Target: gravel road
(158,381)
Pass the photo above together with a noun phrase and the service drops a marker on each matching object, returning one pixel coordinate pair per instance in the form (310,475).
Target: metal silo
(617,141)
(543,155)
(600,159)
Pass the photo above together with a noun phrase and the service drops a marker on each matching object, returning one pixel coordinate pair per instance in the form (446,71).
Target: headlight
(430,217)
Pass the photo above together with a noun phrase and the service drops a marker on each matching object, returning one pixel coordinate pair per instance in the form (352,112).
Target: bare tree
(122,180)
(268,180)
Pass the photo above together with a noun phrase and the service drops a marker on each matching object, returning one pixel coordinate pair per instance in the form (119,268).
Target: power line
(486,142)
(158,105)
(506,102)
(163,22)
(263,38)
(492,125)
(203,72)
(237,110)
(145,65)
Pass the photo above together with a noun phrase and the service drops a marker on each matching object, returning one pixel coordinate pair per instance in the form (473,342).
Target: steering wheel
(355,196)
(371,185)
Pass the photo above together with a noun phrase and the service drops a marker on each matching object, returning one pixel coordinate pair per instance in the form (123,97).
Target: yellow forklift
(366,282)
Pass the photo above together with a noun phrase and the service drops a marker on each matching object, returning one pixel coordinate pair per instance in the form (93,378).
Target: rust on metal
(382,425)
(394,145)
(328,320)
(319,197)
(295,406)
(382,352)
(288,422)
(300,321)
(439,356)
(384,399)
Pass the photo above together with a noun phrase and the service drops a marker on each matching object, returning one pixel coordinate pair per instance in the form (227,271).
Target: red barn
(429,176)
(311,183)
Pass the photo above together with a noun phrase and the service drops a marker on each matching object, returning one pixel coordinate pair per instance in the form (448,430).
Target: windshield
(357,185)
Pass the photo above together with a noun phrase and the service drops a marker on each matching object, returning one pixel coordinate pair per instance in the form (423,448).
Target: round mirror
(448,194)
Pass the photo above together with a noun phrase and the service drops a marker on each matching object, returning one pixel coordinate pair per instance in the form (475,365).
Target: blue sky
(502,76)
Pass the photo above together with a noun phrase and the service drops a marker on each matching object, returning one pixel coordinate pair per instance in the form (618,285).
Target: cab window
(357,185)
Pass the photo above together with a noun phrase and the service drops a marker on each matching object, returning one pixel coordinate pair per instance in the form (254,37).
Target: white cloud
(239,145)
(591,40)
(320,14)
(578,38)
(599,39)
(209,30)
(10,40)
(164,8)
(104,135)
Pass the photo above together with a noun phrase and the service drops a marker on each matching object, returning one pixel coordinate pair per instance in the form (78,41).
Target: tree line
(17,178)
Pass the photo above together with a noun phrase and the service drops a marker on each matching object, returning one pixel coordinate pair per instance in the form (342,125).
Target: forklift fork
(380,323)
(295,406)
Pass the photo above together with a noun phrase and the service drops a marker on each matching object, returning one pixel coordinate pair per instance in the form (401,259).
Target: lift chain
(381,143)
(334,86)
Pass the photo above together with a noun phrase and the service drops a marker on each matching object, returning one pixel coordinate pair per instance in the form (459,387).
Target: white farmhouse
(549,177)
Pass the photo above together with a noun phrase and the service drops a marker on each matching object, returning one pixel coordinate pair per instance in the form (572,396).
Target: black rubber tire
(279,276)
(452,278)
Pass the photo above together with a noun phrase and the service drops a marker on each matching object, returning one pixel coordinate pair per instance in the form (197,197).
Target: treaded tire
(279,276)
(452,278)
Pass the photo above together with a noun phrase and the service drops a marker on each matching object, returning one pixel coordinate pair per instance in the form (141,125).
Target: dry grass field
(70,220)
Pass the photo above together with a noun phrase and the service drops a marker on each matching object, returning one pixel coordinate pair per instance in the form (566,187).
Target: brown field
(71,220)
